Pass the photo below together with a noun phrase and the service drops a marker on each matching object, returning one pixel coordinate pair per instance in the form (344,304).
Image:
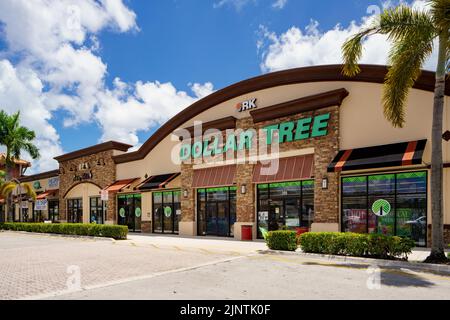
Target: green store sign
(302,129)
(381,208)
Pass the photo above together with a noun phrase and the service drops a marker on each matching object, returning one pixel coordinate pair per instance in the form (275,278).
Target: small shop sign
(37,185)
(41,204)
(246,105)
(104,195)
(381,208)
(138,212)
(53,183)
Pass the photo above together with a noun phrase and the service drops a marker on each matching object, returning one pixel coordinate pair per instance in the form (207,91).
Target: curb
(61,235)
(434,268)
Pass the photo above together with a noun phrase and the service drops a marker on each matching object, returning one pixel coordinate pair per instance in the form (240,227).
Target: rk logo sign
(246,105)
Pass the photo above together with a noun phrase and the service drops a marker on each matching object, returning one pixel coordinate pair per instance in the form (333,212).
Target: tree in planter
(16,139)
(7,188)
(413,33)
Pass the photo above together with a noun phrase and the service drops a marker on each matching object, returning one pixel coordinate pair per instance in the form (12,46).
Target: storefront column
(111,212)
(326,200)
(245,202)
(187,223)
(62,209)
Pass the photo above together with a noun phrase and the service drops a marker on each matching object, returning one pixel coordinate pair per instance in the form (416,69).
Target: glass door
(222,219)
(53,210)
(276,215)
(166,211)
(129,207)
(211,218)
(75,210)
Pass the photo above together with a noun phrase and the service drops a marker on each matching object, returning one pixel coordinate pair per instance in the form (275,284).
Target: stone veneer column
(326,201)
(245,203)
(187,225)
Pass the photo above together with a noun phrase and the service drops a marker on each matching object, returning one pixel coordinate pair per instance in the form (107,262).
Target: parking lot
(150,267)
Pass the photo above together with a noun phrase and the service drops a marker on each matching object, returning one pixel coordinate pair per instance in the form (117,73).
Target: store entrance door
(276,215)
(130,212)
(217,219)
(216,211)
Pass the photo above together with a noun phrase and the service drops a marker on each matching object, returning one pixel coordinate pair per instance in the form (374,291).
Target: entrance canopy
(120,185)
(157,182)
(46,194)
(391,155)
(214,177)
(288,169)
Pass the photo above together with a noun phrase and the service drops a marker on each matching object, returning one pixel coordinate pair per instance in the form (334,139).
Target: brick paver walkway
(37,265)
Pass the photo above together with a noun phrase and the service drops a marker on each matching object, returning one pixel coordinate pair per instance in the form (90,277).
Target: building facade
(303,149)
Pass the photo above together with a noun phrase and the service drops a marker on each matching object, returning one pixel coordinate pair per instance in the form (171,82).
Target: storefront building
(303,149)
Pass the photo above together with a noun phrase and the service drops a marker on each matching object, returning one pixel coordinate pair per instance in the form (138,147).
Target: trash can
(246,233)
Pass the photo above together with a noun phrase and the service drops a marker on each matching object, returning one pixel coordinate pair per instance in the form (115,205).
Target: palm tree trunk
(437,223)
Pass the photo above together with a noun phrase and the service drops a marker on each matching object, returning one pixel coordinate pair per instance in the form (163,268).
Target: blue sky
(87,71)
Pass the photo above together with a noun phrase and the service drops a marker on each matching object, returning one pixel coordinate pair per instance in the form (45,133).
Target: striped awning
(157,182)
(120,185)
(382,156)
(214,177)
(288,169)
(46,194)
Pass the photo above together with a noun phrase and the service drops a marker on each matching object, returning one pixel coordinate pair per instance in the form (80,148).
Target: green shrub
(75,229)
(282,240)
(355,244)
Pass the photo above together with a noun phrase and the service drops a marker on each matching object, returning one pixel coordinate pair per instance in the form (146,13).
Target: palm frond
(29,190)
(352,52)
(404,22)
(7,188)
(406,59)
(440,11)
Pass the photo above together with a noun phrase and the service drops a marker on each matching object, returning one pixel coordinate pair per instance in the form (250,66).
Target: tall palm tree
(413,33)
(16,139)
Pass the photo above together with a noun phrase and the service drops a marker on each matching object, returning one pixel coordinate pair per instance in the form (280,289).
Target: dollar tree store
(304,149)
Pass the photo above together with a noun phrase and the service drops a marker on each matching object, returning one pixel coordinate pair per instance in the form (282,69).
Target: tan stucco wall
(84,191)
(157,162)
(362,124)
(146,206)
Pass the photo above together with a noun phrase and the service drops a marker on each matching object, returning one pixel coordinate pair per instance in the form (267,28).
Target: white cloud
(57,67)
(121,114)
(279,4)
(311,46)
(239,4)
(21,90)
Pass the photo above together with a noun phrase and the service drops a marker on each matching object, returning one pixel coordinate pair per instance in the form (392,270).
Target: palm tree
(7,188)
(413,34)
(16,139)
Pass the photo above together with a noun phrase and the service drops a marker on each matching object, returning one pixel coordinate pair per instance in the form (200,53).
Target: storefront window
(216,211)
(287,205)
(399,201)
(166,211)
(130,211)
(53,210)
(75,210)
(97,210)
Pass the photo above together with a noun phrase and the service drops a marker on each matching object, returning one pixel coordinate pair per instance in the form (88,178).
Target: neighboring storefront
(301,149)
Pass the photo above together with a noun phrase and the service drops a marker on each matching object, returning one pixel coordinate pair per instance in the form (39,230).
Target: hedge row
(355,244)
(78,229)
(282,240)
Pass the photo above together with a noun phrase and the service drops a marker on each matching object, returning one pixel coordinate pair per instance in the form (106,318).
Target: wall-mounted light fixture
(243,189)
(325,183)
(185,193)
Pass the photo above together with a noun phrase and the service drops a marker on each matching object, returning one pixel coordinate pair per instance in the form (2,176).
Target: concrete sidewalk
(228,244)
(216,244)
